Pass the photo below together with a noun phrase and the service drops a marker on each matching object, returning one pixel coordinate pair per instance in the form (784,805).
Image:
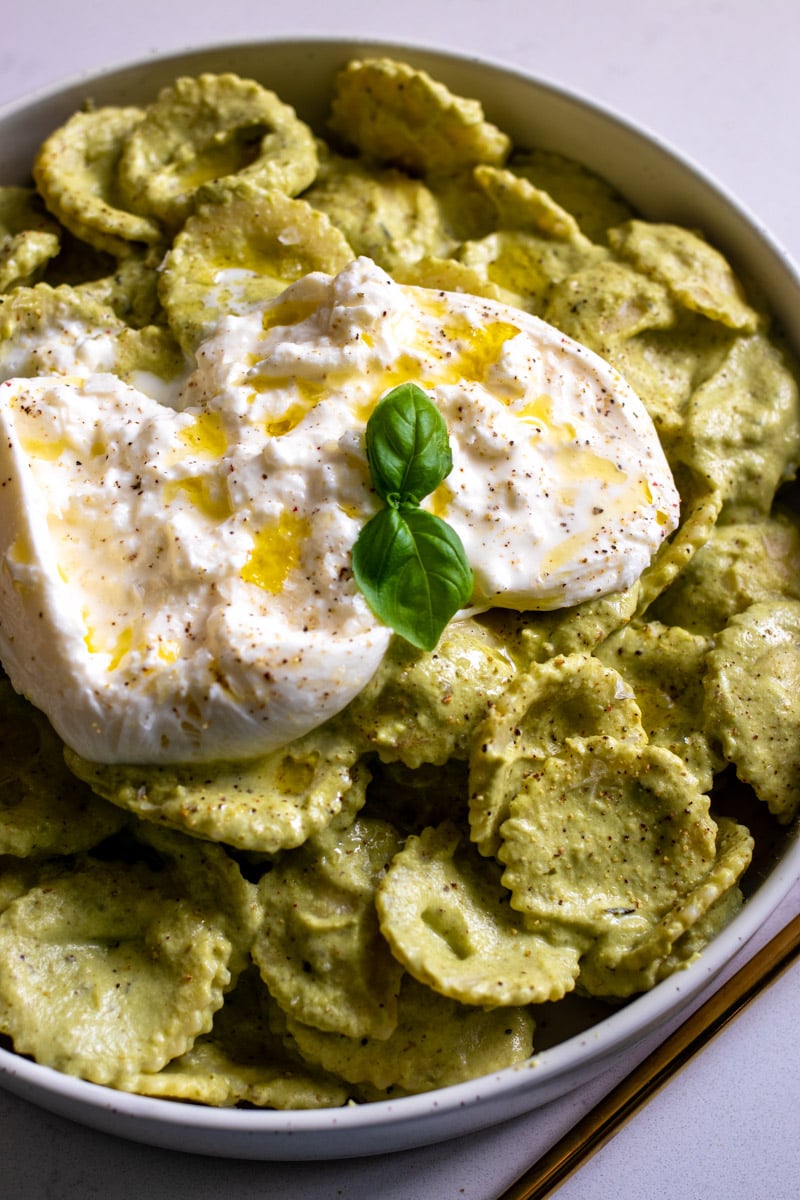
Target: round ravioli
(615,966)
(384,214)
(394,113)
(567,696)
(701,508)
(44,809)
(695,939)
(241,1061)
(605,303)
(752,687)
(207,876)
(525,263)
(447,275)
(593,202)
(48,330)
(696,274)
(446,916)
(105,972)
(437,1042)
(742,426)
(76,174)
(266,805)
(209,127)
(28,237)
(421,707)
(581,629)
(739,565)
(518,204)
(664,666)
(606,836)
(245,245)
(318,948)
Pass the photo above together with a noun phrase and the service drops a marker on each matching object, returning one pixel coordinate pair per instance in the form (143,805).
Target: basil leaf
(410,565)
(408,448)
(413,571)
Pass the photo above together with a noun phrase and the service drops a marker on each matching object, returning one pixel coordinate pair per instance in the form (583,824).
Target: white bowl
(664,186)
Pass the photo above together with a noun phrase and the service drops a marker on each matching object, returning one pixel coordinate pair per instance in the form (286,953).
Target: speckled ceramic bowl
(664,186)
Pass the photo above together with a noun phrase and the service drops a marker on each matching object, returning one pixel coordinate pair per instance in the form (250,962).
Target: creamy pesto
(332,867)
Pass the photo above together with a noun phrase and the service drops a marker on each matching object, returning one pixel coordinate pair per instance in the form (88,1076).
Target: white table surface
(719,80)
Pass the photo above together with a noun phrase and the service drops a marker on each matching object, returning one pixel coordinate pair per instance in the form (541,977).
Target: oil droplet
(95,644)
(463,350)
(289,311)
(276,552)
(307,394)
(206,435)
(121,648)
(169,651)
(46,451)
(440,500)
(90,639)
(539,412)
(483,346)
(219,158)
(212,501)
(21,552)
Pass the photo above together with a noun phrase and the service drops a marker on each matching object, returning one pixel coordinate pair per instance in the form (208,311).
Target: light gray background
(719,80)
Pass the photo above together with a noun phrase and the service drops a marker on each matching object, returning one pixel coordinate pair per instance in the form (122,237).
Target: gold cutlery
(599,1125)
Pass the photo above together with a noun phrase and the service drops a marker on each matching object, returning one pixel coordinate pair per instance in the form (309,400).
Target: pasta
(534,808)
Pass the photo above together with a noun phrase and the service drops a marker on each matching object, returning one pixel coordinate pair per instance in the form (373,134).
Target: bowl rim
(621,1028)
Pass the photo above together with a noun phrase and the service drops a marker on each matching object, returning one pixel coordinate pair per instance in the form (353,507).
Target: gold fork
(599,1125)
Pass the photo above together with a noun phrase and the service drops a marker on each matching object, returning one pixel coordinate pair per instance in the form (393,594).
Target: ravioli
(695,273)
(266,805)
(740,564)
(235,251)
(241,1061)
(423,708)
(453,1042)
(105,974)
(200,130)
(572,696)
(615,967)
(605,838)
(44,808)
(447,919)
(28,238)
(318,948)
(742,427)
(664,667)
(393,113)
(262,850)
(75,171)
(752,700)
(385,215)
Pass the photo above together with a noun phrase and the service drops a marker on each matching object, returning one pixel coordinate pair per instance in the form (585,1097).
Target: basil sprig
(410,564)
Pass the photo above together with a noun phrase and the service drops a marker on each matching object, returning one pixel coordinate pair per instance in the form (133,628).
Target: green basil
(408,449)
(410,565)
